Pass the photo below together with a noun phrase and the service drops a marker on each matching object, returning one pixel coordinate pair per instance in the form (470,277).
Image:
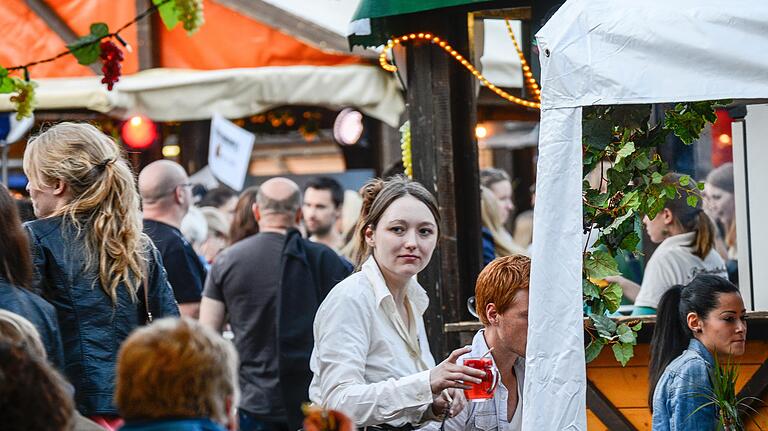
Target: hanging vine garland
(98,46)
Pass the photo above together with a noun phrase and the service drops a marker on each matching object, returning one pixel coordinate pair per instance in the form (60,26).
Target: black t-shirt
(186,272)
(246,278)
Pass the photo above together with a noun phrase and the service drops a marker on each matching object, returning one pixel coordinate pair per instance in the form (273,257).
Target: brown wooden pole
(442,113)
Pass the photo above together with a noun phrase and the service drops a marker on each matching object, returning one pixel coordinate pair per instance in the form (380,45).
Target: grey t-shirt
(246,277)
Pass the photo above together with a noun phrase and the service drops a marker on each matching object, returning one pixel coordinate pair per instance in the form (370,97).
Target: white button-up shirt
(488,415)
(367,362)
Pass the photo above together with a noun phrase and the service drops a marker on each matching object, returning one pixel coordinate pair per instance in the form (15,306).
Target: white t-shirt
(673,263)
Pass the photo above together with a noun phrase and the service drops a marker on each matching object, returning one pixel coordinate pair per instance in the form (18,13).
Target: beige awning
(182,95)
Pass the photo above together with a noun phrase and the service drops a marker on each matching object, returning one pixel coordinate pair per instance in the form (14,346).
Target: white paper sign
(229,152)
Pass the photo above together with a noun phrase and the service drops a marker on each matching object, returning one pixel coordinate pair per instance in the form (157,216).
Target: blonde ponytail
(104,209)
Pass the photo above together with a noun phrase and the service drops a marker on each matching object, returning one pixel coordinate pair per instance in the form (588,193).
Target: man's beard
(321,230)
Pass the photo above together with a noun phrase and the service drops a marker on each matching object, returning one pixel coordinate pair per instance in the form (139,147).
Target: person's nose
(741,327)
(410,240)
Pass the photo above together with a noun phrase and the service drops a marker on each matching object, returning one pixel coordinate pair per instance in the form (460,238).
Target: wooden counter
(617,396)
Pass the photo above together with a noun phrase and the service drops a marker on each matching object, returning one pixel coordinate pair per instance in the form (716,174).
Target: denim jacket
(680,391)
(92,327)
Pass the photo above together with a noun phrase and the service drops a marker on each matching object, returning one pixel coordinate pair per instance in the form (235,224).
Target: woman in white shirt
(687,248)
(371,358)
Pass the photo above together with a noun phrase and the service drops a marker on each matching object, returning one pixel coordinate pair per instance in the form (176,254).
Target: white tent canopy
(182,95)
(600,52)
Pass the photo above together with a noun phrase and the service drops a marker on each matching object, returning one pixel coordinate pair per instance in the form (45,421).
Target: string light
(456,56)
(530,81)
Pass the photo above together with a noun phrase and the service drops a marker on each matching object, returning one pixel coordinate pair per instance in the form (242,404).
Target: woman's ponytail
(670,337)
(705,235)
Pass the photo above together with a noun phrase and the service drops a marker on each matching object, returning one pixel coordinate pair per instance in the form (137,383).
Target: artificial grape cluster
(111,56)
(24,98)
(190,12)
(405,145)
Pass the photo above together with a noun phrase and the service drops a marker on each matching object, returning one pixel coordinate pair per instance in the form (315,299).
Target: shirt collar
(416,294)
(683,239)
(698,347)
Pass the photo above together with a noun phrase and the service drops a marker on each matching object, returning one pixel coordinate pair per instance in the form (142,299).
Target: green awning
(382,8)
(372,25)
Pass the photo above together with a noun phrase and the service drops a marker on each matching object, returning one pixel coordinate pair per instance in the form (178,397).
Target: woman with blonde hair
(93,263)
(497,241)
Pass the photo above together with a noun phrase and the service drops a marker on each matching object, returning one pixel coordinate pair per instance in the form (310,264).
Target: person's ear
(256,212)
(59,187)
(298,216)
(370,237)
(694,323)
(491,313)
(667,215)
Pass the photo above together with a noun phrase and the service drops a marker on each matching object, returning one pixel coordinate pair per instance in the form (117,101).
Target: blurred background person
(194,227)
(686,238)
(16,280)
(217,237)
(350,214)
(177,375)
(166,198)
(696,323)
(244,223)
(720,205)
(371,358)
(21,332)
(497,241)
(94,262)
(523,232)
(321,209)
(32,395)
(222,198)
(499,183)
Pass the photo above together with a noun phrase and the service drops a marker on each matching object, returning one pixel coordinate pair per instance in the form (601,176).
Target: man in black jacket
(270,286)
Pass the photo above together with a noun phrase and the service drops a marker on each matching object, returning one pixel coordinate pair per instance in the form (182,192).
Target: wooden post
(442,113)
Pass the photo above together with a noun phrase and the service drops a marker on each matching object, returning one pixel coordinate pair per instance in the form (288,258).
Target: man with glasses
(166,197)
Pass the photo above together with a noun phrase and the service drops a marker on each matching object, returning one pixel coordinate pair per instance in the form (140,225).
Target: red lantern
(139,132)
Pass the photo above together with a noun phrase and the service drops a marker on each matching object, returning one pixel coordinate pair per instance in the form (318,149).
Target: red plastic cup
(482,391)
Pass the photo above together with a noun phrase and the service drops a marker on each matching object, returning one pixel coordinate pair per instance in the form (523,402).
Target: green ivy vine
(622,141)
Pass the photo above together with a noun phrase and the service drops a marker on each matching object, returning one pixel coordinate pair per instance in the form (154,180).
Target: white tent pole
(555,378)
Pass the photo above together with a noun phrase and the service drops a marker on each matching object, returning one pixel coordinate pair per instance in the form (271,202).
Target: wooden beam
(55,23)
(294,25)
(608,414)
(756,387)
(146,37)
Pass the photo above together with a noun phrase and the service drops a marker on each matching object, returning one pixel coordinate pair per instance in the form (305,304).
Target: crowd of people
(126,285)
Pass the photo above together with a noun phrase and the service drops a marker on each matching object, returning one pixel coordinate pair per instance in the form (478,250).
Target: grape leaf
(656,178)
(692,200)
(638,326)
(6,83)
(168,13)
(589,289)
(600,264)
(594,348)
(625,334)
(86,49)
(625,151)
(623,352)
(606,327)
(612,296)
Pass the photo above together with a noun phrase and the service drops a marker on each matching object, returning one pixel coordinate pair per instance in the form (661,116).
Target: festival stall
(608,53)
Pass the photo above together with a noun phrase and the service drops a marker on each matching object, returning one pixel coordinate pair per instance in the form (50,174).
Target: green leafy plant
(723,397)
(620,145)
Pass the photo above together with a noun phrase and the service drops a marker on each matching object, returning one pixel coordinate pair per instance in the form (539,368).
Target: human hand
(449,403)
(448,374)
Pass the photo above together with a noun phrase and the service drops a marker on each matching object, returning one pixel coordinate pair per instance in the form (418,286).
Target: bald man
(274,279)
(166,196)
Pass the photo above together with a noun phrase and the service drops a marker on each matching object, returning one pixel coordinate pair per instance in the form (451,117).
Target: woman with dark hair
(371,357)
(96,266)
(695,323)
(16,280)
(243,222)
(686,238)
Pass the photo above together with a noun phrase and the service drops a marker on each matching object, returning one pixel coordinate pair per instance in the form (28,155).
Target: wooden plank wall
(627,388)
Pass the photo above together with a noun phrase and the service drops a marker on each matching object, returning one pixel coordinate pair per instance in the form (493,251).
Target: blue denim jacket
(678,392)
